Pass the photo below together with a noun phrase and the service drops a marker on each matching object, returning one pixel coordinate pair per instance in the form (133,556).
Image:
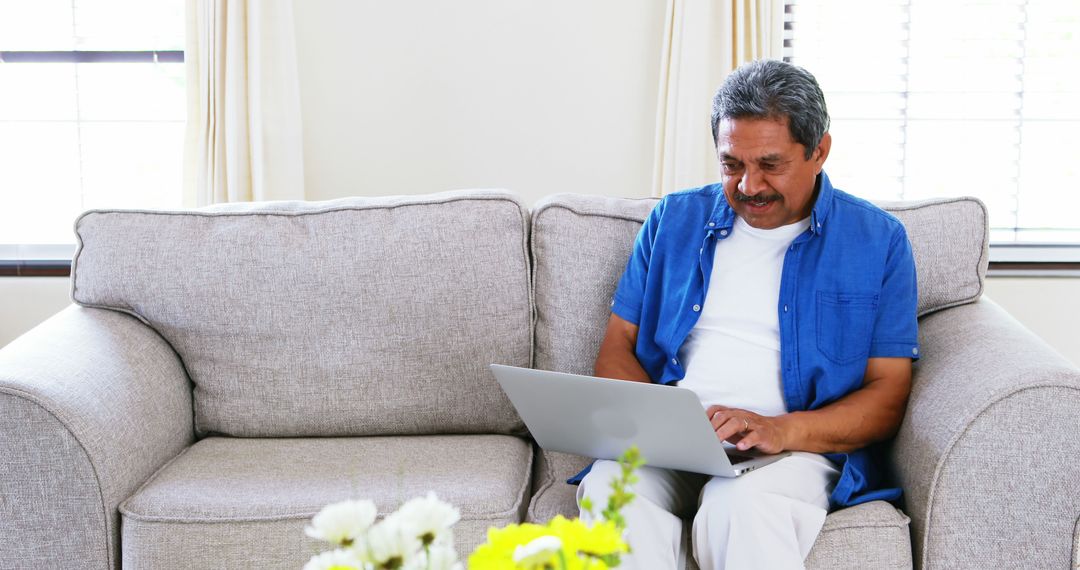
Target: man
(788,306)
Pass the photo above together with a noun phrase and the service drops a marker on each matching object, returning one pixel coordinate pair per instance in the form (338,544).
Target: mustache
(740,197)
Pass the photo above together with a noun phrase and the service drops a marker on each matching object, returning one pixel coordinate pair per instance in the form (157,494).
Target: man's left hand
(747,430)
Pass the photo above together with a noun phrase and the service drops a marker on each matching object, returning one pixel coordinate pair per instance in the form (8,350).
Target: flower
(430,519)
(602,538)
(342,523)
(335,560)
(538,551)
(436,558)
(392,543)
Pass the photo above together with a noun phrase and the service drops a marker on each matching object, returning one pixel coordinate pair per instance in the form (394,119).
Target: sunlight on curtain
(703,41)
(244,139)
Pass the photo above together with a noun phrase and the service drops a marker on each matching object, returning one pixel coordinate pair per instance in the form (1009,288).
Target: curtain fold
(703,41)
(244,138)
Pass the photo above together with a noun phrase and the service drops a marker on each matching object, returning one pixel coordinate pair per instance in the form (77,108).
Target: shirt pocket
(845,323)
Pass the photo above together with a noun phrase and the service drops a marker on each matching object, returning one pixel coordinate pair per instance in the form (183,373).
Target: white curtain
(244,138)
(703,41)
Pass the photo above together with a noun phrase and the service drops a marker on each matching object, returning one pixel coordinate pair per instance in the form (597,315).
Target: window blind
(952,97)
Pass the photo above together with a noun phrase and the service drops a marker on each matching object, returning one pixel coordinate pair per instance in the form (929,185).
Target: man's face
(767,178)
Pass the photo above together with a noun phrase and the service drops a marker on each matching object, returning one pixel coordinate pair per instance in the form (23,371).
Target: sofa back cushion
(360,316)
(580,245)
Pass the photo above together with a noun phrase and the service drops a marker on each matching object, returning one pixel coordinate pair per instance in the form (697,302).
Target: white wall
(423,96)
(27,301)
(1048,306)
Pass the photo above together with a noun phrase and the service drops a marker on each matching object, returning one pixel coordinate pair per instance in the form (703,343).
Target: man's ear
(822,151)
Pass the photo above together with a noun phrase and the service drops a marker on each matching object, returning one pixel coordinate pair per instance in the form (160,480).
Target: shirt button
(785,308)
(697,308)
(674,360)
(711,224)
(723,232)
(701,250)
(915,351)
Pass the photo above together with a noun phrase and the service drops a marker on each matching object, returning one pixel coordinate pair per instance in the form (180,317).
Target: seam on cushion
(864,525)
(66,424)
(123,506)
(1076,544)
(579,212)
(268,518)
(525,486)
(548,481)
(975,416)
(501,196)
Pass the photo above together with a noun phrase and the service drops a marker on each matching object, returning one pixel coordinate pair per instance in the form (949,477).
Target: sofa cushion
(360,316)
(951,244)
(243,503)
(580,245)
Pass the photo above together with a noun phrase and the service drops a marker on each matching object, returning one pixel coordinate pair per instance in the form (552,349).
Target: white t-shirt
(732,355)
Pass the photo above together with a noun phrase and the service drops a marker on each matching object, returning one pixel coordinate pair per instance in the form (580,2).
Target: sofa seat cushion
(870,535)
(243,503)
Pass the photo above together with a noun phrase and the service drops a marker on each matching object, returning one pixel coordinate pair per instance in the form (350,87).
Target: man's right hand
(616,359)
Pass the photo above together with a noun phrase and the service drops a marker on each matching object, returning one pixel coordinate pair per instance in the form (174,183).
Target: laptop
(601,418)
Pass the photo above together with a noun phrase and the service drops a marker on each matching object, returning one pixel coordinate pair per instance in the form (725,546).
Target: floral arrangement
(418,536)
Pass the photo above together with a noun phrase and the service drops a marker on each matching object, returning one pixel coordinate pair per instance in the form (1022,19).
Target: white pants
(767,518)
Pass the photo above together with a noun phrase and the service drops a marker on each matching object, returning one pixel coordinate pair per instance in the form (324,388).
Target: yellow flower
(498,552)
(601,539)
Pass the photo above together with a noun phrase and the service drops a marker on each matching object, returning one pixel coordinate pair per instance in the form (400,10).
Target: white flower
(430,518)
(392,539)
(537,551)
(436,558)
(334,559)
(342,523)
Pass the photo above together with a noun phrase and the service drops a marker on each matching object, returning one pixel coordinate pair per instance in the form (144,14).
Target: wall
(26,301)
(423,96)
(539,97)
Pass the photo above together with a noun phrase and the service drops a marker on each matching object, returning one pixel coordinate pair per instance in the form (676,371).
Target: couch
(225,372)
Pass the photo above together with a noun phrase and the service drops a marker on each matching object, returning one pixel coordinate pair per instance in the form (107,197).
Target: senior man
(788,306)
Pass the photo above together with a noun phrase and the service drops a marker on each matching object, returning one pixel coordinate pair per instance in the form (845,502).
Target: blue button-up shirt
(847,293)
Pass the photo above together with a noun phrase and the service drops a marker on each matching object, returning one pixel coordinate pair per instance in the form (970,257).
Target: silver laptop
(601,418)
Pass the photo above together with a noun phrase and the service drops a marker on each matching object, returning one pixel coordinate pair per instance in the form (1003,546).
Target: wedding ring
(746,425)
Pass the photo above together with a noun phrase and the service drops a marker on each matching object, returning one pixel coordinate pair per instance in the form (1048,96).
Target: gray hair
(771,89)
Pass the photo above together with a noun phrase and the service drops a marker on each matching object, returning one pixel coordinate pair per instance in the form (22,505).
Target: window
(92,105)
(953,97)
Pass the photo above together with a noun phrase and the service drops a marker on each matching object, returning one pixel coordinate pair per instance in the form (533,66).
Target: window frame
(54,260)
(1018,257)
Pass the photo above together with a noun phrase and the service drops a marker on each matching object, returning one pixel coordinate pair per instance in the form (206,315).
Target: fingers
(728,423)
(752,439)
(715,408)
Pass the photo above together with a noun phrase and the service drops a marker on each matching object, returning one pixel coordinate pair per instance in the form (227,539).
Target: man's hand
(746,429)
(870,414)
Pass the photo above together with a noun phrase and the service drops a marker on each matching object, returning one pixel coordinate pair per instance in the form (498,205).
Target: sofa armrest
(987,451)
(92,402)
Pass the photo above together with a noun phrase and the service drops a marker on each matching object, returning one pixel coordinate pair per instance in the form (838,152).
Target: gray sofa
(228,371)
